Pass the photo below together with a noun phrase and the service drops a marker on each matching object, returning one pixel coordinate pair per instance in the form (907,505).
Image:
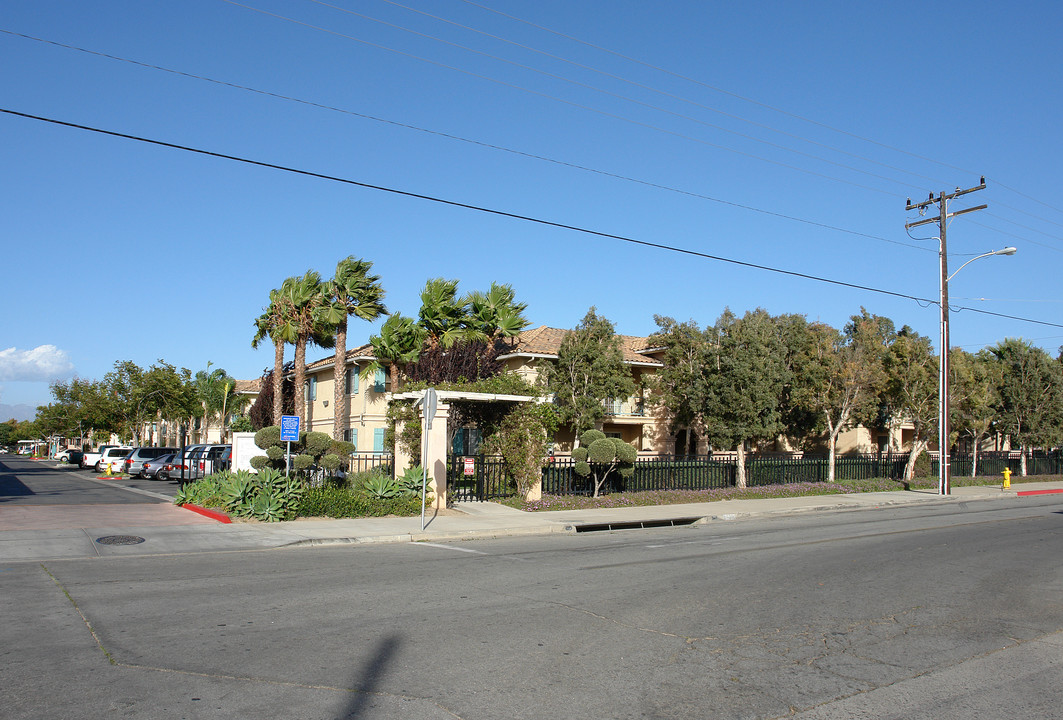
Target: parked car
(181,466)
(74,457)
(113,456)
(134,462)
(90,459)
(209,459)
(154,469)
(61,454)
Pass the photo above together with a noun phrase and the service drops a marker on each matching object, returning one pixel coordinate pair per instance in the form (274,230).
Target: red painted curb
(108,477)
(1039,492)
(207,512)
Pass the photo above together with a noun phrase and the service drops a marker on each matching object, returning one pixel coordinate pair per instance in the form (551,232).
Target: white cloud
(42,363)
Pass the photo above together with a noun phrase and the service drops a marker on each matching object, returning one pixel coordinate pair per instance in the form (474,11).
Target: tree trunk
(339,392)
(832,444)
(741,474)
(974,455)
(300,381)
(1022,460)
(918,446)
(278,381)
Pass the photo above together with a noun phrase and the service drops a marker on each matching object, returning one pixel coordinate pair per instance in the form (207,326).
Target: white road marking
(450,547)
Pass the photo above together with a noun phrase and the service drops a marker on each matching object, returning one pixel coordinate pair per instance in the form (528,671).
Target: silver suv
(134,464)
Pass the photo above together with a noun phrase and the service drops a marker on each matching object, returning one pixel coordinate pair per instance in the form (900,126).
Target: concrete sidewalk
(486,520)
(166,529)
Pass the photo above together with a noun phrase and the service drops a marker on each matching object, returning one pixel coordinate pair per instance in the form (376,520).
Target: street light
(944,477)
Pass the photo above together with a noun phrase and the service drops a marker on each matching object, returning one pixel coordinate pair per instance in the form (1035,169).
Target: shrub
(268,496)
(302,461)
(331,462)
(259,461)
(339,502)
(268,436)
(275,452)
(317,443)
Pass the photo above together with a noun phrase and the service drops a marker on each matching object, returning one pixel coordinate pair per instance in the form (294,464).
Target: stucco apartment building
(638,419)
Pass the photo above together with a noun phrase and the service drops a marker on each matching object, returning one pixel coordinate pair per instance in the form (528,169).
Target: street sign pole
(289,434)
(429,401)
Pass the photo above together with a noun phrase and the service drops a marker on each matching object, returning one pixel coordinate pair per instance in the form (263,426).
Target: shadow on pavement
(365,683)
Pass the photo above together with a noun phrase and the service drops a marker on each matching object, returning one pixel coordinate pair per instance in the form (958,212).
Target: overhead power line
(479,143)
(515,216)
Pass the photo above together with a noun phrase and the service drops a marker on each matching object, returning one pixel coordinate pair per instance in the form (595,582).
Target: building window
(380,379)
(313,388)
(351,436)
(352,380)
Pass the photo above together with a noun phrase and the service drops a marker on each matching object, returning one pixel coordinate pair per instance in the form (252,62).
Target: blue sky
(775,133)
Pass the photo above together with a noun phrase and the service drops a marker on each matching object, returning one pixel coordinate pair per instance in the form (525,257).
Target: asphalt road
(47,482)
(943,612)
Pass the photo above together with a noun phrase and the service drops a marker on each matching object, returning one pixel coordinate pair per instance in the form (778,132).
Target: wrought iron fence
(477,477)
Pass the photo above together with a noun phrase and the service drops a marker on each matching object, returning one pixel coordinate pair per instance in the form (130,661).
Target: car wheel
(99,468)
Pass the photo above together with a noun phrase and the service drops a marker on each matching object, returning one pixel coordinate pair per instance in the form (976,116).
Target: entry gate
(476,478)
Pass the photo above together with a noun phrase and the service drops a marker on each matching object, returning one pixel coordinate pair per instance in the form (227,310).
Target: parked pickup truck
(90,459)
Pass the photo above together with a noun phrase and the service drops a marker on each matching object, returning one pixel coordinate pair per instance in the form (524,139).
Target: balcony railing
(631,408)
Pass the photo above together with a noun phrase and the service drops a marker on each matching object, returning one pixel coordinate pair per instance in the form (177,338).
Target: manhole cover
(120,540)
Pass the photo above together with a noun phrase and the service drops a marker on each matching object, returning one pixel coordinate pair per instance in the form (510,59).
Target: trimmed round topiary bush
(302,462)
(331,462)
(602,451)
(268,436)
(259,461)
(317,443)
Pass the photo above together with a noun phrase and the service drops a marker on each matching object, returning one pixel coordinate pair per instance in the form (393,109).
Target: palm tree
(444,318)
(305,297)
(216,393)
(274,323)
(495,313)
(353,291)
(399,343)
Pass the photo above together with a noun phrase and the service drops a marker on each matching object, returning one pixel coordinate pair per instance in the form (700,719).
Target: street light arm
(1003,251)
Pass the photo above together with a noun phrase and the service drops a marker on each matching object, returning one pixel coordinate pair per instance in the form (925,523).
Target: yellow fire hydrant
(1007,479)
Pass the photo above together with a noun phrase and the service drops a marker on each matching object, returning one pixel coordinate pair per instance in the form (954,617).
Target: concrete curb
(207,512)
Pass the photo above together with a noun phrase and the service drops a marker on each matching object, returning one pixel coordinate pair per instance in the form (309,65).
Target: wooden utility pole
(944,474)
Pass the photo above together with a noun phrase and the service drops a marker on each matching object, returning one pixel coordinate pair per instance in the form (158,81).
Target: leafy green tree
(124,385)
(1031,393)
(975,385)
(589,370)
(911,389)
(748,373)
(352,291)
(838,377)
(682,385)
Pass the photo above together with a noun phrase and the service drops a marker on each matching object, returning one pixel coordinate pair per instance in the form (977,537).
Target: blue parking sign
(289,428)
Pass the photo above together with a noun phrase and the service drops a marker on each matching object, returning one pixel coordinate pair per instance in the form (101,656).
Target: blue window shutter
(378,380)
(352,380)
(474,441)
(313,387)
(351,436)
(458,445)
(378,439)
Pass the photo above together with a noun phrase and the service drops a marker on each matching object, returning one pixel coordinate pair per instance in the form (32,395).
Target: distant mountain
(18,412)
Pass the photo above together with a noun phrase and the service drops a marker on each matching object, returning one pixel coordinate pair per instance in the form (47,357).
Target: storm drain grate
(635,524)
(119,540)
